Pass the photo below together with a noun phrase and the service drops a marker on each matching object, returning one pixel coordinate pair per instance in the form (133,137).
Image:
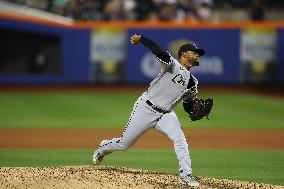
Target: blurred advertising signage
(107,55)
(258,55)
(220,64)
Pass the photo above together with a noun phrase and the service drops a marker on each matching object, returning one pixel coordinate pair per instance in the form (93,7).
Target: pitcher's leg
(130,134)
(134,129)
(141,120)
(170,126)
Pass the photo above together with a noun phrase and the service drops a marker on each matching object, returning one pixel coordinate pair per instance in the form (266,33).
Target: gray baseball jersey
(173,84)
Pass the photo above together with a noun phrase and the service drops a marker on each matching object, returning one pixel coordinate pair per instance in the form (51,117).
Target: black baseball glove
(198,108)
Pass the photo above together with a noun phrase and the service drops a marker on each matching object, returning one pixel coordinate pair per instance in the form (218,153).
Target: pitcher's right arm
(162,55)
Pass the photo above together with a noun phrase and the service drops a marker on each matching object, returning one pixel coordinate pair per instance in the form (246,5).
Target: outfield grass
(112,111)
(258,166)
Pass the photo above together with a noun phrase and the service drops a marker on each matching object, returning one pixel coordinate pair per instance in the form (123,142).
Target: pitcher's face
(190,59)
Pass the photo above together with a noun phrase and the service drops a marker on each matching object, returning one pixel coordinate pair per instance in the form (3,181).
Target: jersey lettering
(179,79)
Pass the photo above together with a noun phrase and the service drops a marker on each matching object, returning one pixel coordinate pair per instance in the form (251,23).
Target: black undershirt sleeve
(156,49)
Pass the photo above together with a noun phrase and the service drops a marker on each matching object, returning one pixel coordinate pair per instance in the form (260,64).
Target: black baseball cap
(190,47)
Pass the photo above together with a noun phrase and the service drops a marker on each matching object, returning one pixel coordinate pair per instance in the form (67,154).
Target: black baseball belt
(156,108)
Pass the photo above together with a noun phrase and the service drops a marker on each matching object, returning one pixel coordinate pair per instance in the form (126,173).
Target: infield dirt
(107,177)
(268,139)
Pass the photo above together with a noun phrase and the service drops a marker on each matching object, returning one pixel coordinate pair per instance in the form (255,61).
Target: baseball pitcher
(154,108)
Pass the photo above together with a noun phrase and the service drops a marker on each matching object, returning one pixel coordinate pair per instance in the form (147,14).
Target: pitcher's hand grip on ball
(135,39)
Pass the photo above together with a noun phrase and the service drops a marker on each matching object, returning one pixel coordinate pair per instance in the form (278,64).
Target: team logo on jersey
(179,79)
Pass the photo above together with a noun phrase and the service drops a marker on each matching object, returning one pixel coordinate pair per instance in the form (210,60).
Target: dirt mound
(105,177)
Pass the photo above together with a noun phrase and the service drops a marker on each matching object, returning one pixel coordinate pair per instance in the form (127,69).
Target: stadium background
(69,81)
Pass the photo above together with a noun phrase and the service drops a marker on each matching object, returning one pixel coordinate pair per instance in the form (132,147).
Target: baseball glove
(198,108)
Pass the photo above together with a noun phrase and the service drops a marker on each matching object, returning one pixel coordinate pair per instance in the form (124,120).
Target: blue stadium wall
(104,55)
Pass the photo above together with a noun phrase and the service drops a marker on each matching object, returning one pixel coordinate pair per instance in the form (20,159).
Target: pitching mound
(104,177)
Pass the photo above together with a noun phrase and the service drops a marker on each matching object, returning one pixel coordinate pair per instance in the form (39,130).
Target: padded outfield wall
(35,51)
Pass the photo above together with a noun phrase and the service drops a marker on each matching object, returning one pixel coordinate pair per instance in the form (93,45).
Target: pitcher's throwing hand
(135,39)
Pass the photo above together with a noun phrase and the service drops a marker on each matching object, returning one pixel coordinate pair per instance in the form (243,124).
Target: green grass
(65,110)
(258,166)
(106,110)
